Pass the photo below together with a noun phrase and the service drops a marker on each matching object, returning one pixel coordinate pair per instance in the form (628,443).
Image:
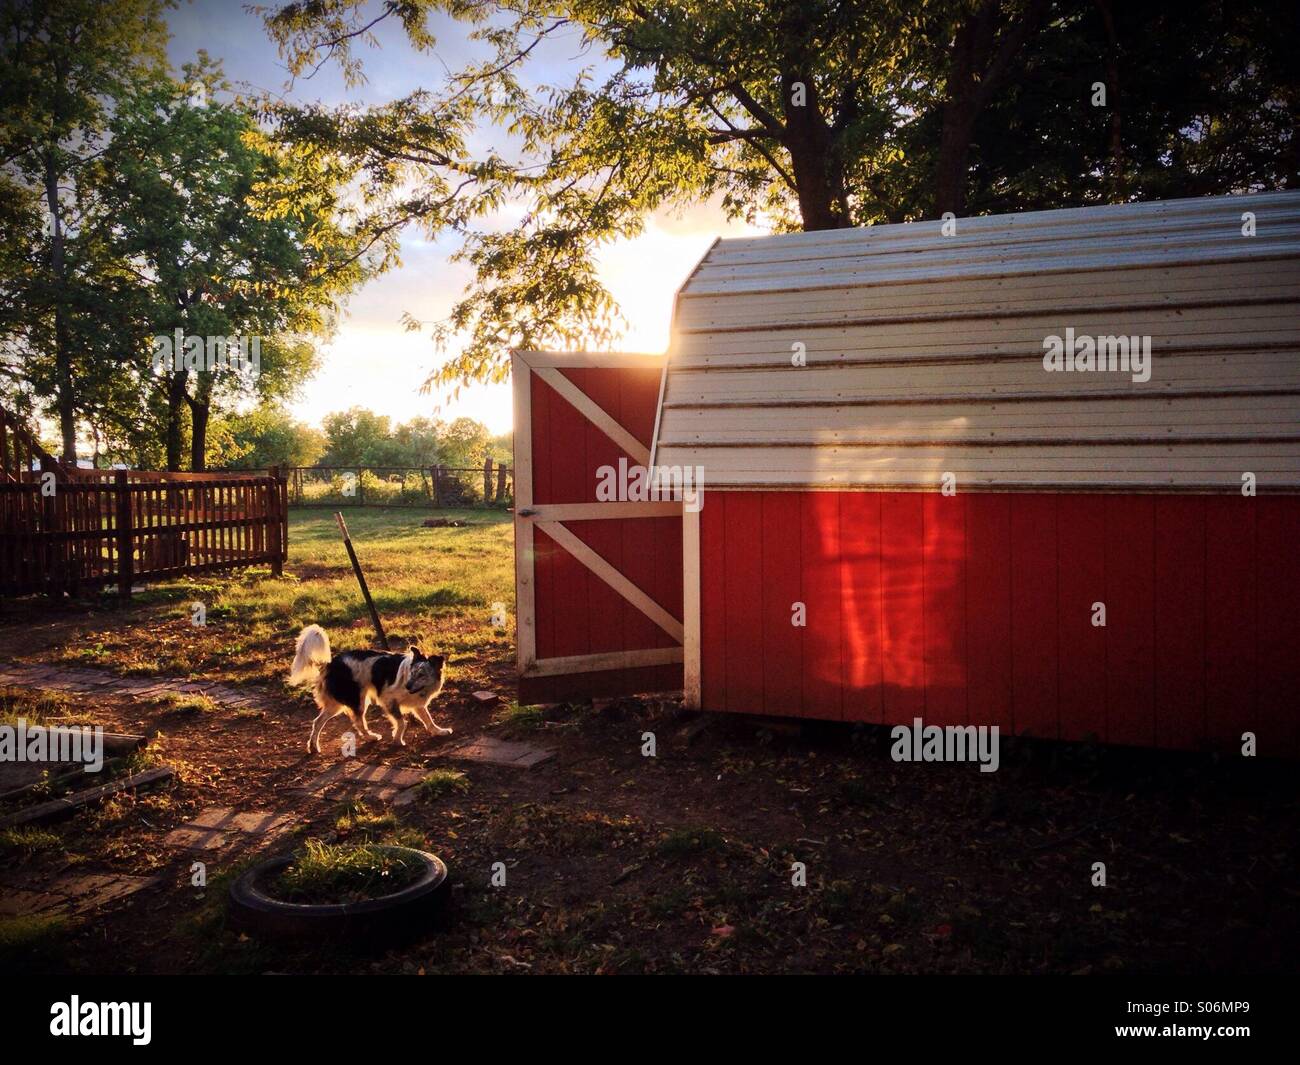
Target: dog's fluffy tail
(312,652)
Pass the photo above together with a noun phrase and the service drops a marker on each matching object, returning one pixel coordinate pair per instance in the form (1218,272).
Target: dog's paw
(444,732)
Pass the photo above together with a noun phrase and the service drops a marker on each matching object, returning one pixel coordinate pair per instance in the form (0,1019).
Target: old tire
(401,915)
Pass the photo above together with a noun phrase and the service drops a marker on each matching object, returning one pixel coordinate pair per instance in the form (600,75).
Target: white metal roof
(924,352)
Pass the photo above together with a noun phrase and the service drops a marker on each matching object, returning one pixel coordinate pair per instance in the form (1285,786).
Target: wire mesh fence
(489,485)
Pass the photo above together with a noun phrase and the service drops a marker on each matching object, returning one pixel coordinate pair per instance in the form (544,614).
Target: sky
(373,361)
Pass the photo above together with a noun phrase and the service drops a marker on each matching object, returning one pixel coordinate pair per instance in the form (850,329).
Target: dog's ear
(437,661)
(415,651)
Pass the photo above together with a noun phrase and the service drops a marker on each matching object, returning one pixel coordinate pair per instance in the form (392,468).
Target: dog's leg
(327,714)
(422,712)
(394,714)
(401,729)
(361,719)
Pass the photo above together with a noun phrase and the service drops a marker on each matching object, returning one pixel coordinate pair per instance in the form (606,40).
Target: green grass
(686,841)
(186,703)
(32,939)
(357,822)
(522,718)
(434,587)
(356,817)
(442,782)
(26,841)
(36,707)
(343,872)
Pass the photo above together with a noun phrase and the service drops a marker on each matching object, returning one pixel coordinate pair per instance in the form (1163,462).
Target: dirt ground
(682,862)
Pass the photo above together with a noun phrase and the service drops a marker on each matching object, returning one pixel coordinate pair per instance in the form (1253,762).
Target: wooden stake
(361,580)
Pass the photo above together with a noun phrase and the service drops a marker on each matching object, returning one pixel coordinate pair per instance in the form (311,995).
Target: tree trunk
(175,404)
(64,398)
(981,57)
(1112,102)
(818,176)
(954,158)
(200,413)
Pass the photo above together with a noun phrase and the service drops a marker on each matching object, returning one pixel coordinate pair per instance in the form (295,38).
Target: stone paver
(71,894)
(217,826)
(491,751)
(195,839)
(383,775)
(56,678)
(382,782)
(254,822)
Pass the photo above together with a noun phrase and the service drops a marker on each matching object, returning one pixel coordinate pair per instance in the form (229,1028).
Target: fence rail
(489,485)
(96,528)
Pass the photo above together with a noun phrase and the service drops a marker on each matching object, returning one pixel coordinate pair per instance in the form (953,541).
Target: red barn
(1036,470)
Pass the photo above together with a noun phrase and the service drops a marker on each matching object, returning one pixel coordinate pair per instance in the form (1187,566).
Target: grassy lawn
(436,587)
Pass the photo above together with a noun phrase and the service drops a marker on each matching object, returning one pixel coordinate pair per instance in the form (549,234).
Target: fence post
(278,505)
(125,559)
(500,497)
(437,485)
(487,481)
(52,561)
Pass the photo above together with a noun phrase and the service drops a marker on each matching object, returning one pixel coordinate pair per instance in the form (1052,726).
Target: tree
(354,437)
(463,444)
(805,114)
(191,203)
(360,437)
(61,65)
(417,442)
(266,436)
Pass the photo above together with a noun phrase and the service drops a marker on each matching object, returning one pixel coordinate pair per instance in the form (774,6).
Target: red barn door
(598,583)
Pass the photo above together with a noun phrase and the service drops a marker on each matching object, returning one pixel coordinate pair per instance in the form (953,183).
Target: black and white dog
(347,683)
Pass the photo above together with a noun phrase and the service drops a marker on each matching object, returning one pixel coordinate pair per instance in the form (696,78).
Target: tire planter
(386,919)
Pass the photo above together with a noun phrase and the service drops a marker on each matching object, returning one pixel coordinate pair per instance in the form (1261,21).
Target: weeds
(441,782)
(344,872)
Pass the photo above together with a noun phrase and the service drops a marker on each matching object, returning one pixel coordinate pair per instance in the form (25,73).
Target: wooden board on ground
(62,807)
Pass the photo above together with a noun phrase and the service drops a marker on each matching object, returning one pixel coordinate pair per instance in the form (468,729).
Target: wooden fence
(79,530)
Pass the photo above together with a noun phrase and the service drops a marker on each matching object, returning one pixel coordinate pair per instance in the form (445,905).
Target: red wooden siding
(977,608)
(577,613)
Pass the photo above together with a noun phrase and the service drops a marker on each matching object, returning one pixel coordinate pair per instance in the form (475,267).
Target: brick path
(217,826)
(65,679)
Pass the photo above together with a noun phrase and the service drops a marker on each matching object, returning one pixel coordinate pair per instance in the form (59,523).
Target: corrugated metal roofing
(924,352)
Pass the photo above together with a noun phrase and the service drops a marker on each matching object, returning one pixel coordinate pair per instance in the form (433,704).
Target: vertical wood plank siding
(977,609)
